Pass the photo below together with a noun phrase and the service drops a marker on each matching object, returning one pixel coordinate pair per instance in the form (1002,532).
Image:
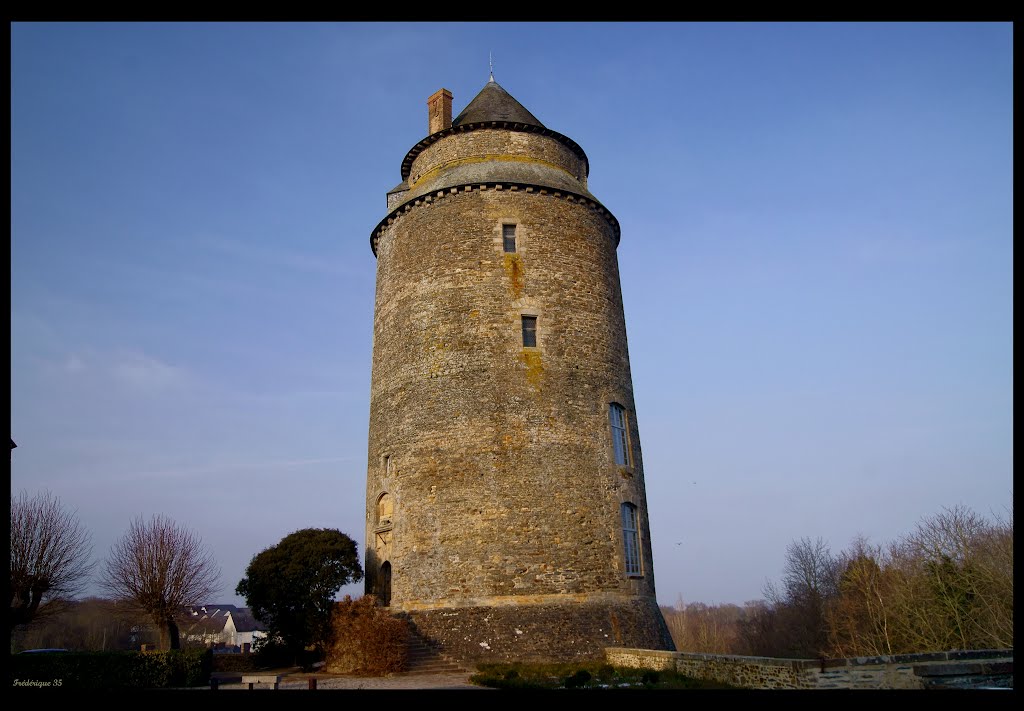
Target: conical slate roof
(492,108)
(495,104)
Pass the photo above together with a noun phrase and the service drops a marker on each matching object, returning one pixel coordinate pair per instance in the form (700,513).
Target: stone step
(426,659)
(441,669)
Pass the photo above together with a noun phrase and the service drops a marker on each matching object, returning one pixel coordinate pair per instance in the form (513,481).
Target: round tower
(506,509)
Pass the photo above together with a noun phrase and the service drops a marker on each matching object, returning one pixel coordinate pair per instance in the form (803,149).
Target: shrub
(580,678)
(236,663)
(650,677)
(270,653)
(115,670)
(195,666)
(366,639)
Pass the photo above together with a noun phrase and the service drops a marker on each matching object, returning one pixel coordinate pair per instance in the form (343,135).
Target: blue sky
(816,265)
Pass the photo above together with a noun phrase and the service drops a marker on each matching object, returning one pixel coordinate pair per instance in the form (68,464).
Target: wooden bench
(252,679)
(218,678)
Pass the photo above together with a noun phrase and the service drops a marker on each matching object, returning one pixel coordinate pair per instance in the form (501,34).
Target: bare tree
(161,567)
(50,557)
(91,624)
(956,575)
(946,585)
(811,571)
(707,629)
(992,584)
(809,581)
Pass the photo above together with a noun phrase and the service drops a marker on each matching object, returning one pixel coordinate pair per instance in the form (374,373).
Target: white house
(222,626)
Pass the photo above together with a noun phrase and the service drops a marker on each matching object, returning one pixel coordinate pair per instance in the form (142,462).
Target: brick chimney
(439,106)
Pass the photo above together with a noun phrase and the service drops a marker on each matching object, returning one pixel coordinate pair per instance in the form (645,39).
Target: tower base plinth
(563,632)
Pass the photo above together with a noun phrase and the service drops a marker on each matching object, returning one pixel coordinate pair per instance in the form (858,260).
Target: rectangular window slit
(508,237)
(529,331)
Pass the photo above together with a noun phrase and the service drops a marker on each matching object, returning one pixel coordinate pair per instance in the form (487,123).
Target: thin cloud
(293,395)
(74,364)
(135,370)
(299,261)
(241,466)
(146,373)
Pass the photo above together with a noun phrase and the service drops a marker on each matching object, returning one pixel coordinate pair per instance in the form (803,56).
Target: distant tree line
(946,585)
(155,573)
(92,624)
(156,569)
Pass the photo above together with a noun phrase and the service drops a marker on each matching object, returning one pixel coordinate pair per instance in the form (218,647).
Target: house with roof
(223,627)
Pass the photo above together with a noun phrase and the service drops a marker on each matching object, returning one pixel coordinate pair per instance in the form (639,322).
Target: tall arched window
(631,539)
(620,434)
(385,509)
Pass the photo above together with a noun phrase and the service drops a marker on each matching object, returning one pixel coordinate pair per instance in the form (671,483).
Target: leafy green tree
(291,586)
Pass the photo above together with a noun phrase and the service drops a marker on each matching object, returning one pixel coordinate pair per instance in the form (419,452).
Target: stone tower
(506,508)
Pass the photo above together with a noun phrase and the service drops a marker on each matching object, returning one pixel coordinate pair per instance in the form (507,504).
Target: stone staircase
(424,659)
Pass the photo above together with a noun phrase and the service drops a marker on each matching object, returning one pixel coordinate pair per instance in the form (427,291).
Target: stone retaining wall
(957,669)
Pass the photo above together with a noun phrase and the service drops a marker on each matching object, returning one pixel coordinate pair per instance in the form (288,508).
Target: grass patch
(588,675)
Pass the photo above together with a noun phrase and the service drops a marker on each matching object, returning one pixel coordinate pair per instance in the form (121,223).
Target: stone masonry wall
(486,144)
(499,458)
(494,500)
(538,633)
(907,671)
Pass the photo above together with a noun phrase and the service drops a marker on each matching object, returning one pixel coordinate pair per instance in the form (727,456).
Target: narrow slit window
(620,434)
(529,331)
(631,539)
(508,237)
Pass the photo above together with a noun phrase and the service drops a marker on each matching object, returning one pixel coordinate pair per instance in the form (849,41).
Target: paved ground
(293,681)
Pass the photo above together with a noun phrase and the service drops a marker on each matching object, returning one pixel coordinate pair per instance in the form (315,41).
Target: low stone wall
(959,669)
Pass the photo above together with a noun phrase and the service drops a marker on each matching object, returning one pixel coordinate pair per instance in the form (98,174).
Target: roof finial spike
(490,56)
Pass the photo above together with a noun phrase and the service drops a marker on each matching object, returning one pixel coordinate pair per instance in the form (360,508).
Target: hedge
(112,670)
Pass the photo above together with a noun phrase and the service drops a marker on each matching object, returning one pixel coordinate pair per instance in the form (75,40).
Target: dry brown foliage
(946,585)
(706,629)
(367,639)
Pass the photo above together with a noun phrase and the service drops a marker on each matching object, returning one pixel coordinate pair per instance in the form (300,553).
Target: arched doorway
(384,583)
